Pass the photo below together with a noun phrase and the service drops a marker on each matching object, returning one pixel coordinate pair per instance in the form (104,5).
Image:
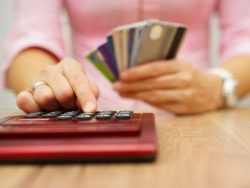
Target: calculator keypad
(69,123)
(33,115)
(81,116)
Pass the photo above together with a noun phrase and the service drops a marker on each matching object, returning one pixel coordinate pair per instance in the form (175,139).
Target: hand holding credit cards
(137,43)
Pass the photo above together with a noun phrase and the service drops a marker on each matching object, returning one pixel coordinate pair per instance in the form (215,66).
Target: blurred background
(7,98)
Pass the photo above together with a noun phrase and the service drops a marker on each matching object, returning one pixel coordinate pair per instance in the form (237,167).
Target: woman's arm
(23,69)
(65,82)
(234,23)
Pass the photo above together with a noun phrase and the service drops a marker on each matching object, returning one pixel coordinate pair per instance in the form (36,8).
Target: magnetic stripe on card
(177,42)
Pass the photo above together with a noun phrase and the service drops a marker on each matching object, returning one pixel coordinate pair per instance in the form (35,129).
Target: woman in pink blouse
(35,56)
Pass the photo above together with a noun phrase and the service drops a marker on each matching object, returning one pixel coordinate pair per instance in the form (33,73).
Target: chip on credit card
(137,43)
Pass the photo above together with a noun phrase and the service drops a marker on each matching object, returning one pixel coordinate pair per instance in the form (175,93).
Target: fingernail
(89,107)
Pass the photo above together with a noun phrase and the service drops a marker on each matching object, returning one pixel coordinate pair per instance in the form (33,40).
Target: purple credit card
(107,54)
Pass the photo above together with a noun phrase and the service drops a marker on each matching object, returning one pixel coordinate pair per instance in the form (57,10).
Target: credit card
(132,44)
(156,41)
(108,59)
(96,59)
(117,43)
(178,38)
(137,41)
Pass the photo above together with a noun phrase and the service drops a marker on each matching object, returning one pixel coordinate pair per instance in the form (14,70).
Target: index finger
(80,85)
(149,70)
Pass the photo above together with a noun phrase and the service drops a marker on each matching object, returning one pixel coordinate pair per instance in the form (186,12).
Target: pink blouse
(37,24)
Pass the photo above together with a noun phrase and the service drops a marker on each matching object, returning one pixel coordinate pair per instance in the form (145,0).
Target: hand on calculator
(63,85)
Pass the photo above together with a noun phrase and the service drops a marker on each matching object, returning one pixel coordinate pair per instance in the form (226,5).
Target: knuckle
(189,94)
(186,79)
(48,72)
(69,62)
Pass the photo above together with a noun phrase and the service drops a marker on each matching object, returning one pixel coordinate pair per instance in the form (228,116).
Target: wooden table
(208,150)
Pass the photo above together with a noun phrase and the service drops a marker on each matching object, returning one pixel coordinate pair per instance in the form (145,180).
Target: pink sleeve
(234,20)
(37,24)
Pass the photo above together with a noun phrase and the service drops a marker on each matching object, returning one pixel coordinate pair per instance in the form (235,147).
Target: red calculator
(75,136)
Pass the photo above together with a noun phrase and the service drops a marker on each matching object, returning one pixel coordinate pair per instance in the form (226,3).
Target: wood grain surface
(202,151)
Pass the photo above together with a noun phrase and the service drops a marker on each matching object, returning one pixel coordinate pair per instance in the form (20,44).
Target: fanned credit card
(133,44)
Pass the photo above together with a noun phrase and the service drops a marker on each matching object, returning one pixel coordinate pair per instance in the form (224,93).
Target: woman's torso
(92,20)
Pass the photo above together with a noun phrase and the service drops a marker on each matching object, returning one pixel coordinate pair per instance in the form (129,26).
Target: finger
(80,84)
(170,81)
(157,97)
(61,88)
(95,89)
(152,69)
(45,98)
(26,102)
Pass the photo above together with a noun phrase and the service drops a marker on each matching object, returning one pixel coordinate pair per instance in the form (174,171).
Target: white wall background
(7,99)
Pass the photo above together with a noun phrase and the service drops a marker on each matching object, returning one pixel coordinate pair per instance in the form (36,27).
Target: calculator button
(51,114)
(64,117)
(89,113)
(107,112)
(84,116)
(33,115)
(71,113)
(123,116)
(125,112)
(110,112)
(103,116)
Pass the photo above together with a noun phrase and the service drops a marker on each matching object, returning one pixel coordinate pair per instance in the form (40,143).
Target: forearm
(239,66)
(26,66)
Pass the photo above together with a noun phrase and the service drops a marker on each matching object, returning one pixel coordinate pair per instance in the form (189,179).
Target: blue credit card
(130,46)
(111,48)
